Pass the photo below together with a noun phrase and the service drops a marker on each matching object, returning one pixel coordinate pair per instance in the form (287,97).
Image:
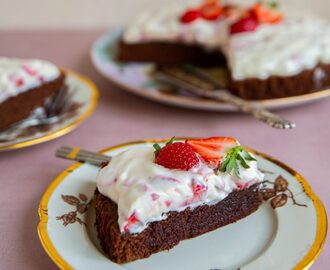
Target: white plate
(289,237)
(83,96)
(135,78)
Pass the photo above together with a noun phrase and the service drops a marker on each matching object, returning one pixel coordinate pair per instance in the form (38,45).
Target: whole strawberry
(176,155)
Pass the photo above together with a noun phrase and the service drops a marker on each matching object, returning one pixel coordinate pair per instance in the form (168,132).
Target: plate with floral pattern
(80,99)
(136,78)
(287,232)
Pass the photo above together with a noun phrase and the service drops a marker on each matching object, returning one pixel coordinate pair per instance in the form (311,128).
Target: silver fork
(40,117)
(201,84)
(77,154)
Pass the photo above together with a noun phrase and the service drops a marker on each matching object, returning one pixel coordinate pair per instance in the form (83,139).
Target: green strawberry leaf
(243,162)
(157,149)
(234,157)
(170,141)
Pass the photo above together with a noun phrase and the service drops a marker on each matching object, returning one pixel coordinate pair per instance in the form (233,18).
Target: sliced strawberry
(190,16)
(177,156)
(213,149)
(211,11)
(234,12)
(264,14)
(246,24)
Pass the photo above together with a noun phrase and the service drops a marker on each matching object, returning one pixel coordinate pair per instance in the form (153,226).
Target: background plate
(84,96)
(289,237)
(135,78)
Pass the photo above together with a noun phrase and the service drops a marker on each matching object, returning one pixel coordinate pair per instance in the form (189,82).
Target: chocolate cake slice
(267,55)
(167,233)
(148,200)
(26,85)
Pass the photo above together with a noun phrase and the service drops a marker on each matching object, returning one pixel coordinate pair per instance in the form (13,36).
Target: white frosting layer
(20,75)
(283,49)
(164,25)
(145,191)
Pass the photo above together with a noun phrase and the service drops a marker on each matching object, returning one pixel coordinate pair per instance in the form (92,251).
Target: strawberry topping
(168,203)
(199,189)
(154,196)
(29,70)
(177,155)
(211,11)
(131,221)
(190,16)
(19,82)
(213,149)
(246,24)
(266,15)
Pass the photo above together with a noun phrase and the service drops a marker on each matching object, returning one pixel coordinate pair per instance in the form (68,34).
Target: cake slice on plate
(25,85)
(148,198)
(267,54)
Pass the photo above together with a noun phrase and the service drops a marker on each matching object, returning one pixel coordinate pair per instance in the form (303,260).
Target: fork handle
(266,116)
(201,88)
(77,154)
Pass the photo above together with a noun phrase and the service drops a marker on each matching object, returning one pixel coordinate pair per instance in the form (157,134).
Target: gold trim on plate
(305,263)
(60,132)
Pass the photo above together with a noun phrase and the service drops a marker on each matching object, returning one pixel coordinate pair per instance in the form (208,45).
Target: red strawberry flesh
(190,16)
(178,156)
(247,24)
(131,221)
(213,149)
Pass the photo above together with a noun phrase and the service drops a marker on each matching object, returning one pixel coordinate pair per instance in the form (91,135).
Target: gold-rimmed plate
(289,237)
(83,96)
(136,78)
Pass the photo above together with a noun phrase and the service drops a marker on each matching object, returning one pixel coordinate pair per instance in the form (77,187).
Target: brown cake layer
(19,107)
(305,82)
(165,53)
(165,234)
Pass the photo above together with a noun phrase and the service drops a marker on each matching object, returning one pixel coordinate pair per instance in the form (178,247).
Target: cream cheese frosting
(145,191)
(284,49)
(164,25)
(20,75)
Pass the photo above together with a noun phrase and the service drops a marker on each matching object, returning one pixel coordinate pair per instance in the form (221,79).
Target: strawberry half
(190,16)
(266,15)
(213,149)
(211,11)
(247,24)
(178,156)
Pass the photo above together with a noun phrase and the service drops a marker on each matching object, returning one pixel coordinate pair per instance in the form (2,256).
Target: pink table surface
(121,117)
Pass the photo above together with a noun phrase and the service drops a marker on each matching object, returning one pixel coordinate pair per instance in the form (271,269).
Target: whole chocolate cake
(267,54)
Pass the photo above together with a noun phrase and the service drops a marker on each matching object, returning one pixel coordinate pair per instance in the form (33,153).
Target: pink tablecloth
(120,117)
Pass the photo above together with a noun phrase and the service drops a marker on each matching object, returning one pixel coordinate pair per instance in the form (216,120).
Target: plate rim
(305,263)
(176,101)
(91,86)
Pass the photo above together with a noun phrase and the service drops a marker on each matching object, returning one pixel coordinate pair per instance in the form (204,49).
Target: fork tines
(75,153)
